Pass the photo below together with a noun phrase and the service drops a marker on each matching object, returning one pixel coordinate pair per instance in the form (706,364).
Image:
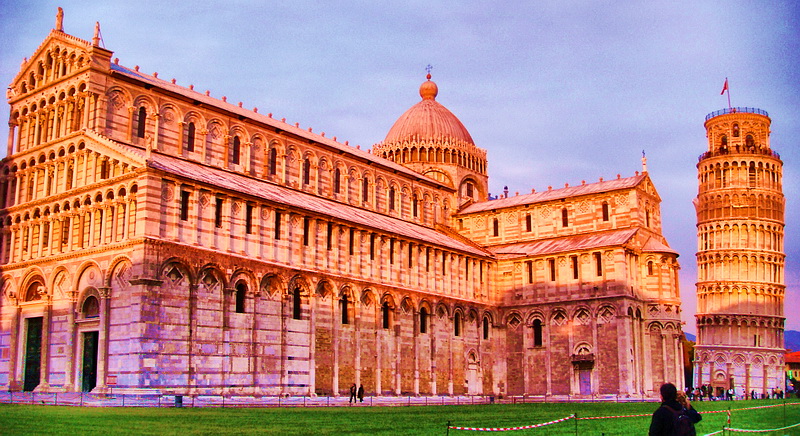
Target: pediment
(648,187)
(111,149)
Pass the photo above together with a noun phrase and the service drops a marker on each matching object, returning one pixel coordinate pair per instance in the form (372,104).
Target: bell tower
(740,256)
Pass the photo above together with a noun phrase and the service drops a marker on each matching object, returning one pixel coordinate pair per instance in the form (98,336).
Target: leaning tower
(740,256)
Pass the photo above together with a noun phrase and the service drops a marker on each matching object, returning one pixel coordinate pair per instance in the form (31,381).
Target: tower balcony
(739,151)
(737,110)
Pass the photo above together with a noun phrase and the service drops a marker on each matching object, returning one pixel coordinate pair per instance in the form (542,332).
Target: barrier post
(575,415)
(448,427)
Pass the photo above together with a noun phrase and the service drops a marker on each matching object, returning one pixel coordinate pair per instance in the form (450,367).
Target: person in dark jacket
(665,417)
(360,393)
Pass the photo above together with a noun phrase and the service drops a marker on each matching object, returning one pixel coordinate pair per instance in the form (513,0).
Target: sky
(556,91)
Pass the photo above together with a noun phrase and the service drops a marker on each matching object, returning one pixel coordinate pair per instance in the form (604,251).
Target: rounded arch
(271,284)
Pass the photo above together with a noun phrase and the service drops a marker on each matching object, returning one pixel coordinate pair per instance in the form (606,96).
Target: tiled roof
(792,357)
(301,200)
(565,244)
(556,194)
(654,245)
(264,119)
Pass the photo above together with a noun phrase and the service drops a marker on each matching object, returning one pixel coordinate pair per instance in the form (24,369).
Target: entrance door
(33,353)
(89,367)
(585,381)
(473,382)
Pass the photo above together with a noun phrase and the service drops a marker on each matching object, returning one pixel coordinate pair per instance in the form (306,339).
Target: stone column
(102,342)
(11,149)
(131,110)
(14,381)
(44,367)
(69,362)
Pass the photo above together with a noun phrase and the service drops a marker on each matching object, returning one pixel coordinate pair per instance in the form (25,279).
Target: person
(361,393)
(353,393)
(672,417)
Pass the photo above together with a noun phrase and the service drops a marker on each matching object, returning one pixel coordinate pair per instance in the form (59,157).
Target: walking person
(673,417)
(353,393)
(360,393)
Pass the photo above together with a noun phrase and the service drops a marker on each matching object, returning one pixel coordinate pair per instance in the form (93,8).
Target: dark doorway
(33,353)
(89,367)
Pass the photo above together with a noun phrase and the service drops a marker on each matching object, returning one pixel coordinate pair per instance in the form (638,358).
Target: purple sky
(556,91)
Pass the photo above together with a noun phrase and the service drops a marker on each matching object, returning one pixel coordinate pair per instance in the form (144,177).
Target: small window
(140,122)
(184,205)
(237,144)
(391,198)
(457,324)
(724,141)
(423,320)
(650,268)
(495,227)
(104,169)
(365,190)
(345,308)
(470,190)
(91,307)
(598,262)
(385,314)
(529,269)
(273,161)
(372,246)
(352,241)
(415,206)
(297,304)
(551,264)
(337,180)
(749,141)
(564,217)
(306,171)
(277,224)
(575,270)
(241,293)
(329,242)
(190,133)
(218,213)
(391,252)
(647,218)
(410,254)
(528,223)
(605,211)
(306,230)
(537,333)
(248,219)
(444,263)
(485,328)
(735,130)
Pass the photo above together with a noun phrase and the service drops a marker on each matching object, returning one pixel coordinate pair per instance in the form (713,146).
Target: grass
(430,420)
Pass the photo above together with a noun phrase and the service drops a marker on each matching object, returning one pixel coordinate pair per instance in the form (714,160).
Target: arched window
(735,130)
(415,206)
(391,198)
(140,122)
(241,293)
(537,333)
(297,305)
(486,328)
(306,171)
(724,141)
(365,190)
(650,268)
(337,181)
(564,217)
(273,161)
(457,324)
(237,144)
(423,320)
(190,132)
(345,309)
(528,223)
(90,307)
(495,227)
(749,141)
(605,211)
(386,314)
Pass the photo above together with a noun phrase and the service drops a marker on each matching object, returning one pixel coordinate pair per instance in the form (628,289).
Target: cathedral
(156,239)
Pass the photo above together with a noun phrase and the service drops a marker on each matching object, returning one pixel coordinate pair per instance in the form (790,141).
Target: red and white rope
(524,427)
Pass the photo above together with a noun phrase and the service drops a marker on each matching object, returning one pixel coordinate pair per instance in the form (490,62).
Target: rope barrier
(524,427)
(741,430)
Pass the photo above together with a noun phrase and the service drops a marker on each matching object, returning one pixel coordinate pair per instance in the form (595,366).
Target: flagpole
(729,94)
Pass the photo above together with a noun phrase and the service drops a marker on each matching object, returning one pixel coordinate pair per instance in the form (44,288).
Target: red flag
(724,87)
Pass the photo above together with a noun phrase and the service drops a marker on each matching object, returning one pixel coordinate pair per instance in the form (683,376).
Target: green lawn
(18,419)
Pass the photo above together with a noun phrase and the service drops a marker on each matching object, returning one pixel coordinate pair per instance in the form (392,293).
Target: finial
(60,20)
(96,37)
(644,163)
(428,69)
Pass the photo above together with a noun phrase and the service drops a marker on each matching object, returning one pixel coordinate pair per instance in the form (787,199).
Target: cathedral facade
(155,238)
(740,257)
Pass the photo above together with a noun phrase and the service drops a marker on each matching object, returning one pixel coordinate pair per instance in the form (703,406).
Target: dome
(428,120)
